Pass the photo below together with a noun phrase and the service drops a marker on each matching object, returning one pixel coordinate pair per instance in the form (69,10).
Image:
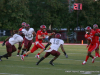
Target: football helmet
(23,23)
(27,25)
(58,35)
(21,33)
(88,29)
(42,27)
(95,26)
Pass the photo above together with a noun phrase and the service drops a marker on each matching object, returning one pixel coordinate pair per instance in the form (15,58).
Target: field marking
(10,74)
(88,72)
(65,70)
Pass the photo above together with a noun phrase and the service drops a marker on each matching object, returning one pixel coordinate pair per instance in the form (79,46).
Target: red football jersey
(91,37)
(39,32)
(20,29)
(97,31)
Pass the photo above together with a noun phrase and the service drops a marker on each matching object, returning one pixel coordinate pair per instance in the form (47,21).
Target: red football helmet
(95,26)
(42,27)
(88,29)
(27,25)
(23,23)
(58,35)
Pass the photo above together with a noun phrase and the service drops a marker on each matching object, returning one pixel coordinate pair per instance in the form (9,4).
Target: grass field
(63,66)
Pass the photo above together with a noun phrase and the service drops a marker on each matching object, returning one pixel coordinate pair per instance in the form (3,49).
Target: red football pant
(36,46)
(92,47)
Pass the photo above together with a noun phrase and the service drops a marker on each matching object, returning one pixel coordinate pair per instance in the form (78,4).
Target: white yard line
(10,74)
(65,70)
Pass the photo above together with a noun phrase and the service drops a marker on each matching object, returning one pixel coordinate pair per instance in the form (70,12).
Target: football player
(23,27)
(16,38)
(41,34)
(92,42)
(53,50)
(29,33)
(95,27)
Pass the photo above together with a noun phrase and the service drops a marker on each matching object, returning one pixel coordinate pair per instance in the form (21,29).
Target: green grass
(63,66)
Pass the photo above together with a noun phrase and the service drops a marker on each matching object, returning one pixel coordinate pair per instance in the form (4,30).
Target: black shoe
(0,58)
(37,63)
(6,57)
(51,63)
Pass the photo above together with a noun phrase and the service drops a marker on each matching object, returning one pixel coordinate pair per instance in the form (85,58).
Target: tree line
(48,12)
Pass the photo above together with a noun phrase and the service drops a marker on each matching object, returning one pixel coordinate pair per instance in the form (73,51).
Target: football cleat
(24,51)
(84,62)
(22,58)
(51,63)
(66,56)
(97,56)
(37,56)
(6,57)
(17,55)
(37,63)
(93,59)
(21,55)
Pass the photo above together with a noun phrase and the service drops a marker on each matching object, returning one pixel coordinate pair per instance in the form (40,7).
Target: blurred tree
(13,13)
(48,12)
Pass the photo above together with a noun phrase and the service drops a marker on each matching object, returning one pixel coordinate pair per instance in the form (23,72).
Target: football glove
(66,56)
(3,43)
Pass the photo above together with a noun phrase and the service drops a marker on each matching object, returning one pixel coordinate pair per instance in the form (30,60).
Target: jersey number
(29,35)
(56,42)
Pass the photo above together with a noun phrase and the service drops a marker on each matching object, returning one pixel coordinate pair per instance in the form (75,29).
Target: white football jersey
(15,39)
(28,34)
(55,43)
